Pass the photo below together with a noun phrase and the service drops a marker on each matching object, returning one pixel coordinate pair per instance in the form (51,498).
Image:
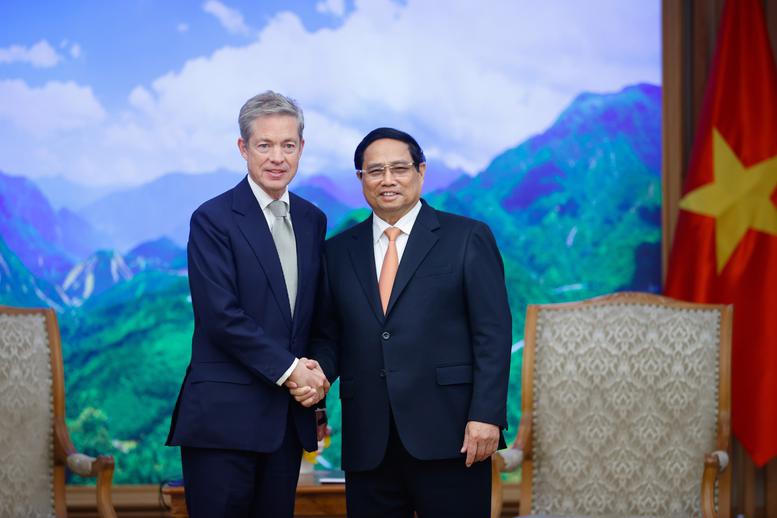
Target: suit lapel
(253,225)
(362,252)
(422,238)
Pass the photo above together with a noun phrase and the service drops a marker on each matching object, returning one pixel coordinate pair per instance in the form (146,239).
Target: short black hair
(416,153)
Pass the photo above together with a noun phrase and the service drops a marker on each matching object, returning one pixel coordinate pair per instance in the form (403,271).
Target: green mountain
(125,354)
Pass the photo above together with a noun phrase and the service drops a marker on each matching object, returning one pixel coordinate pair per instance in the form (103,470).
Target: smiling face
(272,152)
(390,196)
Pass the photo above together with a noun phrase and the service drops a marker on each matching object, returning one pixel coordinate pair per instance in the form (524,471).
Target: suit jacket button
(382,373)
(386,335)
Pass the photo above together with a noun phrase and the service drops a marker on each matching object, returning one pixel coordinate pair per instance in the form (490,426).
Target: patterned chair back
(627,393)
(26,416)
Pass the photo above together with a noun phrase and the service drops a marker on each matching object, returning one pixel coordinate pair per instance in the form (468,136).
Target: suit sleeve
(491,327)
(217,310)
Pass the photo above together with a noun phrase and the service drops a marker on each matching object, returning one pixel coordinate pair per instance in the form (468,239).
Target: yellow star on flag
(738,198)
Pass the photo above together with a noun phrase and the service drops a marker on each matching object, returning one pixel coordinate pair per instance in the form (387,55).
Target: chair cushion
(26,442)
(625,407)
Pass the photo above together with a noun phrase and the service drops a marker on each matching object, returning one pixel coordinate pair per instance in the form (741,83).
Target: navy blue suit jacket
(440,356)
(244,335)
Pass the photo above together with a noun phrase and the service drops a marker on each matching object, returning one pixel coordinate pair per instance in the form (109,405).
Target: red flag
(725,245)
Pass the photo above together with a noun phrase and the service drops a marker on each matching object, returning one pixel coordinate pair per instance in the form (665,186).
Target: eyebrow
(260,140)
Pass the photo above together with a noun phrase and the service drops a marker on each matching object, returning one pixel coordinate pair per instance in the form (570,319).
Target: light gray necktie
(283,235)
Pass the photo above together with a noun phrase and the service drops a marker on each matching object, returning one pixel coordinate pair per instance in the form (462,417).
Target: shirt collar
(405,223)
(262,197)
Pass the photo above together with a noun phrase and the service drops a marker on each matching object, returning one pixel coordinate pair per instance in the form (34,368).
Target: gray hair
(264,104)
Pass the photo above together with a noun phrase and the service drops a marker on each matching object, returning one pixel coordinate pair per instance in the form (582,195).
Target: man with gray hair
(254,257)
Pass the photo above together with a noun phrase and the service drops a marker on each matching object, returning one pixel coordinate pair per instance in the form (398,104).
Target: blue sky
(118,93)
(132,42)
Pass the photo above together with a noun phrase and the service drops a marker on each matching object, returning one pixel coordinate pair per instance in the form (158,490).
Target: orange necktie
(390,265)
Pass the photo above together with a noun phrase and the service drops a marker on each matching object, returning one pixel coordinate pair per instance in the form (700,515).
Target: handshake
(307,382)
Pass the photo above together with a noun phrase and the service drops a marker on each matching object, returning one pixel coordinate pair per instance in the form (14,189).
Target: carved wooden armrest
(100,468)
(719,458)
(87,466)
(511,458)
(80,464)
(714,464)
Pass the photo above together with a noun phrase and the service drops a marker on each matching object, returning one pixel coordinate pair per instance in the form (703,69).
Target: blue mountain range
(49,242)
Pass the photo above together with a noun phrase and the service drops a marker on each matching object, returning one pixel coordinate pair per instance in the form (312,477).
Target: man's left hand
(480,441)
(322,426)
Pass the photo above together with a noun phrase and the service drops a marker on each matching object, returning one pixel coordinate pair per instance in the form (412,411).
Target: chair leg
(104,483)
(496,490)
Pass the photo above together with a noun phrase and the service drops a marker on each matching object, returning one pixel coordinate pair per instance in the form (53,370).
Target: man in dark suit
(254,260)
(413,317)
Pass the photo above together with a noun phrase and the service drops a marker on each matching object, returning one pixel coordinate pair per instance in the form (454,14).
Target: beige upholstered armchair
(625,411)
(34,443)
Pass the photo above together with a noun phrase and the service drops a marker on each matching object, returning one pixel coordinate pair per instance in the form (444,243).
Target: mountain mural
(575,210)
(94,275)
(159,254)
(48,242)
(20,287)
(64,193)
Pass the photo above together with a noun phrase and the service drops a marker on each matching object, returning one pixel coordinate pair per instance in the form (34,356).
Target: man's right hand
(307,382)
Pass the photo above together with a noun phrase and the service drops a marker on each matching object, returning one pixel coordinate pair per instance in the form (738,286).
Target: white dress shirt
(381,241)
(264,201)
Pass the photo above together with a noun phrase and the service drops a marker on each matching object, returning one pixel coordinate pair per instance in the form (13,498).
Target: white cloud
(52,129)
(467,85)
(182,27)
(75,50)
(41,55)
(55,107)
(335,7)
(231,19)
(323,135)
